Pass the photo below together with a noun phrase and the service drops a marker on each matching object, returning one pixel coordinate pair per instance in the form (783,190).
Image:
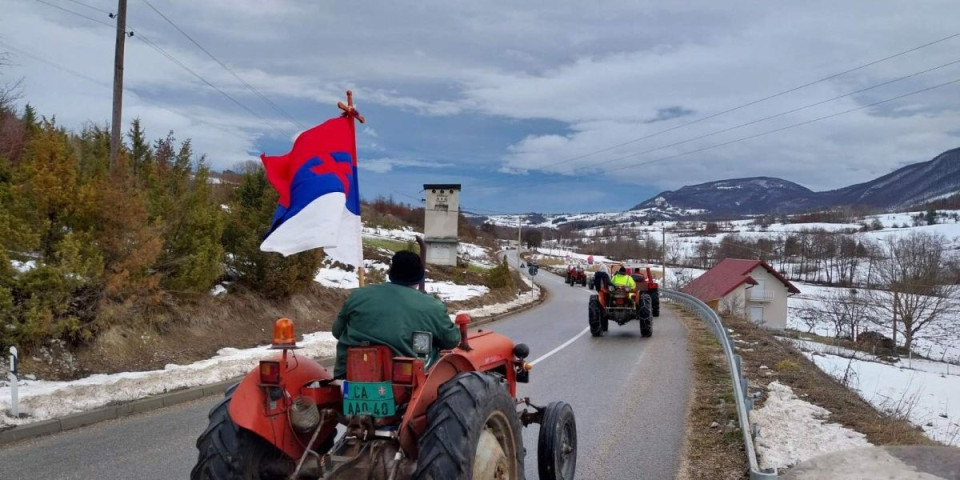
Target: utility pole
(663,251)
(519,241)
(121,18)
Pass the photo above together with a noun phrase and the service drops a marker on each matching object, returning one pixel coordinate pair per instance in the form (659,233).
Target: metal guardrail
(743,398)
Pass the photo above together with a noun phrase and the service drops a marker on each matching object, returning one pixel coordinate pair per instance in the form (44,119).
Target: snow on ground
(447,291)
(793,430)
(937,340)
(404,234)
(927,393)
(581,257)
(23,267)
(451,292)
(498,309)
(475,254)
(332,277)
(48,399)
(218,290)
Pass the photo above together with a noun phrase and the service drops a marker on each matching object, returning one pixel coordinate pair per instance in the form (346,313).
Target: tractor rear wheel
(594,317)
(228,452)
(645,315)
(557,445)
(655,296)
(473,431)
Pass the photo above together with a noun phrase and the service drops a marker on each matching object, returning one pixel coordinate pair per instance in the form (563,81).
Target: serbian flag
(319,202)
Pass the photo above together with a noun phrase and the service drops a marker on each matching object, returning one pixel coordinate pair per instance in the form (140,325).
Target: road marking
(561,347)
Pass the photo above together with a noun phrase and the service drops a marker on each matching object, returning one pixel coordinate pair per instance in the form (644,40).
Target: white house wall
(775,305)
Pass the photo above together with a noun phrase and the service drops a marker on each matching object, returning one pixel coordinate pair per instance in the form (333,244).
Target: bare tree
(846,310)
(913,269)
(733,305)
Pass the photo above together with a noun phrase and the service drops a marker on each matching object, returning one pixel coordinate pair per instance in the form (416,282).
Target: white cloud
(386,164)
(602,73)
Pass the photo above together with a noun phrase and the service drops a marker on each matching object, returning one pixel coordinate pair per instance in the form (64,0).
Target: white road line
(561,347)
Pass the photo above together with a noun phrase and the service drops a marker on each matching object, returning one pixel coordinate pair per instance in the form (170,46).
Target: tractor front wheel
(228,452)
(594,317)
(473,432)
(655,296)
(557,446)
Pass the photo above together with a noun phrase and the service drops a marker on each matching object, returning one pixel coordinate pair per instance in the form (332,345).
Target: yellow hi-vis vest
(623,280)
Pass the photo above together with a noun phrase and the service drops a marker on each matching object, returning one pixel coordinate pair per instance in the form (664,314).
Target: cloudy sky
(559,106)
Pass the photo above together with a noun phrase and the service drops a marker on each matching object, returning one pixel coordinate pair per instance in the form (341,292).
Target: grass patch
(710,449)
(391,245)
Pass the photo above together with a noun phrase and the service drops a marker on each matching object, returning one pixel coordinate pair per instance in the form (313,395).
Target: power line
(763,99)
(67,10)
(566,178)
(228,69)
(107,86)
(174,59)
(795,125)
(788,112)
(92,7)
(163,52)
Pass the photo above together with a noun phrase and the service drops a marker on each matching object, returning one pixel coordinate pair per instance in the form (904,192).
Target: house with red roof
(747,288)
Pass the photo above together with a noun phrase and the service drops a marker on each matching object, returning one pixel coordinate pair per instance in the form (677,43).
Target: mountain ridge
(910,185)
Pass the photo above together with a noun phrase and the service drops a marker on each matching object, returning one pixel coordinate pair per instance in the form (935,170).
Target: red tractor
(576,276)
(399,419)
(622,305)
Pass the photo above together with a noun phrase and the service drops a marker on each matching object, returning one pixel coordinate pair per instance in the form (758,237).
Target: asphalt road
(629,395)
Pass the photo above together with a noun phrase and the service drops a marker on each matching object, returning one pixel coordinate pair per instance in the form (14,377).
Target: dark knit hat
(406,268)
(622,270)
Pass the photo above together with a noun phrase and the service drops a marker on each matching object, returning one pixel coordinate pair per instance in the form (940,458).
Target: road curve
(629,394)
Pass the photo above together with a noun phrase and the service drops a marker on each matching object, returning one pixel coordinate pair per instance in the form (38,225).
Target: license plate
(369,398)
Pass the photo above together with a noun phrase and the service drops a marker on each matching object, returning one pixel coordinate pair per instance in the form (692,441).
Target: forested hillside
(87,245)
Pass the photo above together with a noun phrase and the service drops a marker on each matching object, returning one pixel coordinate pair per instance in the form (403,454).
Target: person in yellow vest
(621,279)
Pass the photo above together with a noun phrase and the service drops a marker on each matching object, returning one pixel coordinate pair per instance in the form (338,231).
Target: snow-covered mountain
(908,186)
(741,196)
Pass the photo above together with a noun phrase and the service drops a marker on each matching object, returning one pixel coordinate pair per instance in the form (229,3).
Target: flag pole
(351,112)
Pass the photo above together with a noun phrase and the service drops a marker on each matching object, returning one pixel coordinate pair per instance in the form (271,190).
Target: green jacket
(388,314)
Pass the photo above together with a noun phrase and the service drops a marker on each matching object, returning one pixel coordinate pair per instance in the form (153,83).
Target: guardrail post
(14,363)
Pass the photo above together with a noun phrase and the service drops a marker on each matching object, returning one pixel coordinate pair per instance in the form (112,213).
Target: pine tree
(251,213)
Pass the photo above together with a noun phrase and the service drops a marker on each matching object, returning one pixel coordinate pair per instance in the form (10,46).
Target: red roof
(727,276)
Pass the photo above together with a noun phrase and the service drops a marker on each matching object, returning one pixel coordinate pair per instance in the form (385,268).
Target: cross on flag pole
(350,112)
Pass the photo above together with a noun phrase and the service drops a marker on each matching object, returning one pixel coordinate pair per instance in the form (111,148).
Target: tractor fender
(488,351)
(250,408)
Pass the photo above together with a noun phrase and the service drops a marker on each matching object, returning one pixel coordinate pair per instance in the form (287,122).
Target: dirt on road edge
(711,449)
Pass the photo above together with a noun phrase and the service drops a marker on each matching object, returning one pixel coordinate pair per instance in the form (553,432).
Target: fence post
(14,364)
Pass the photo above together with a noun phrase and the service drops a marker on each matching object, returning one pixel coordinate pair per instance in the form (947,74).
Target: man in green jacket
(389,313)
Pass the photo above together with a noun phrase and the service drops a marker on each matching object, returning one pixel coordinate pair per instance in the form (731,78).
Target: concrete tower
(440,223)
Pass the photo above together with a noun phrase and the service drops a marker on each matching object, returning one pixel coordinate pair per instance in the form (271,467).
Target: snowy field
(44,400)
(687,242)
(939,340)
(927,393)
(793,430)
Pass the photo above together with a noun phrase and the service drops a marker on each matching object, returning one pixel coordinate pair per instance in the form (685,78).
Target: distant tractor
(576,276)
(645,283)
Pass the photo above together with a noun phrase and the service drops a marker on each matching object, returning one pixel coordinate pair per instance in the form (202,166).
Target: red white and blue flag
(319,203)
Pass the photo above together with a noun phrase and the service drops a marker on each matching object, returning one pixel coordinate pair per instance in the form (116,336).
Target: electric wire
(164,53)
(92,7)
(763,99)
(67,10)
(249,87)
(105,85)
